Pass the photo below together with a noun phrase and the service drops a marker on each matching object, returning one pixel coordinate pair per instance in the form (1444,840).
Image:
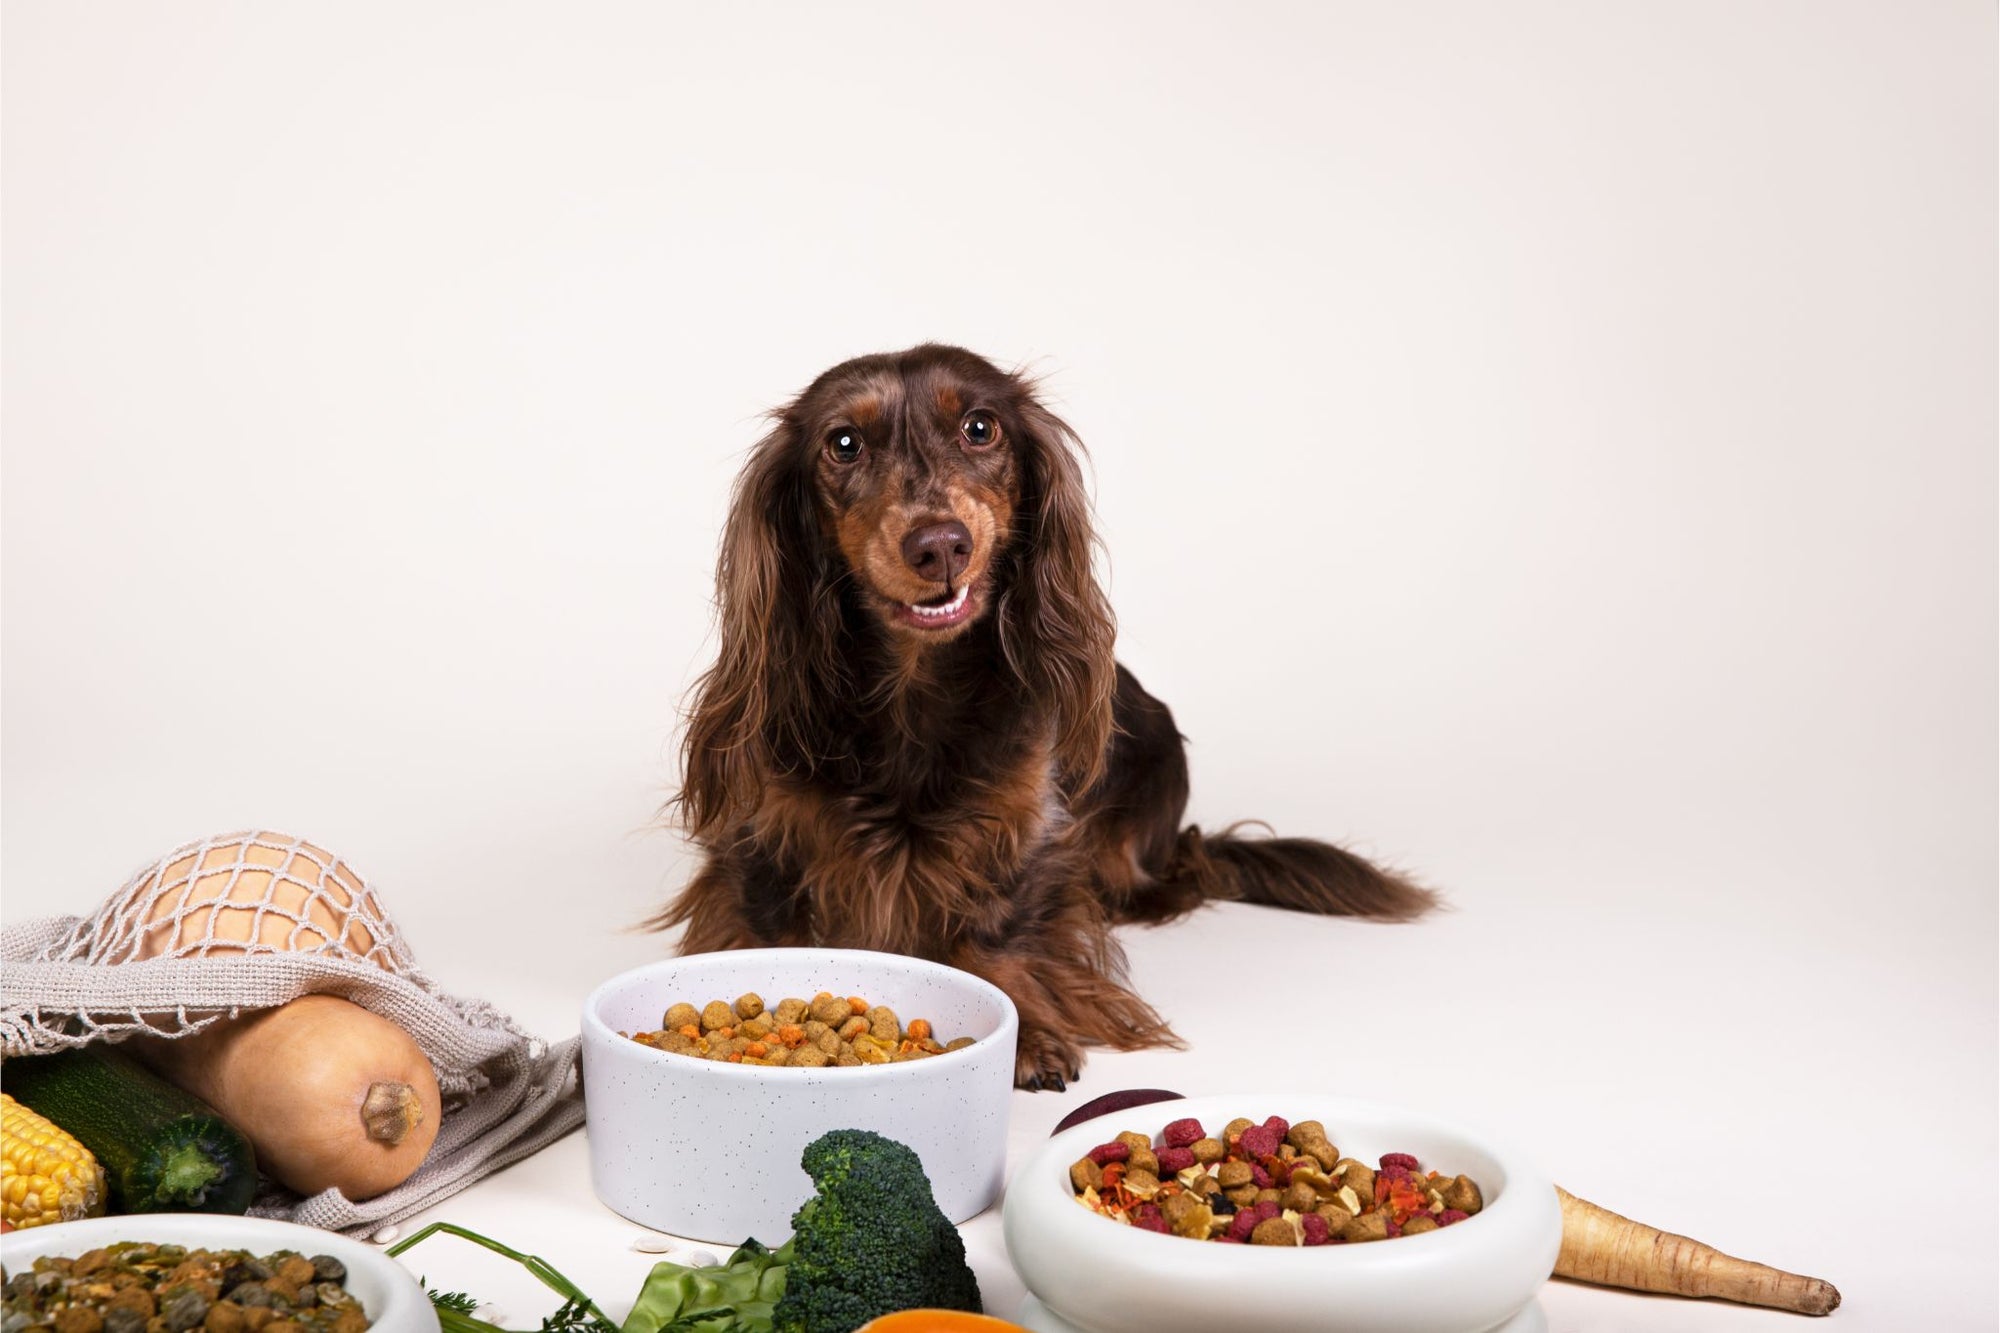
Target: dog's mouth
(952,607)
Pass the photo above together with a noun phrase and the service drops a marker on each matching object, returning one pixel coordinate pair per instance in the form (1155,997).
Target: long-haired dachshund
(915,737)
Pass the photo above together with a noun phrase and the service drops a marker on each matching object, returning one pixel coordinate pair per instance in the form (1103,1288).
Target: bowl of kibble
(205,1271)
(1259,1213)
(705,1077)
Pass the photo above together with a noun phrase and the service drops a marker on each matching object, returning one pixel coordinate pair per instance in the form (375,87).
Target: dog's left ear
(1056,627)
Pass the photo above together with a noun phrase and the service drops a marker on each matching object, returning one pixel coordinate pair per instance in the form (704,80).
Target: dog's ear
(756,711)
(1056,628)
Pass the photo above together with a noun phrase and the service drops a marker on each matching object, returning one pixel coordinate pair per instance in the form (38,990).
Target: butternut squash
(329,1094)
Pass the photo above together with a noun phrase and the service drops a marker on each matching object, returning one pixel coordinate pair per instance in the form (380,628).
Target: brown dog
(915,737)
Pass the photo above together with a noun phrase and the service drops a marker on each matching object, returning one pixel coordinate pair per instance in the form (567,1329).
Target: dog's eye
(843,444)
(980,429)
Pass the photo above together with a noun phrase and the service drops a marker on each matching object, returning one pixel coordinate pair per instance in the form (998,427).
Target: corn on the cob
(45,1175)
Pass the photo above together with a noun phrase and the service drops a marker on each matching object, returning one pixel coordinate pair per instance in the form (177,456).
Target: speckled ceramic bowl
(710,1151)
(1091,1274)
(393,1300)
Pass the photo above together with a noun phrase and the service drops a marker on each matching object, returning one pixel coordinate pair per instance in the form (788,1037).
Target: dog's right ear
(756,712)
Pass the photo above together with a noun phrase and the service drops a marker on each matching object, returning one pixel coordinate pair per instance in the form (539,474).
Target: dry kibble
(808,1057)
(1368,1226)
(1284,1184)
(1274,1231)
(1085,1174)
(847,1029)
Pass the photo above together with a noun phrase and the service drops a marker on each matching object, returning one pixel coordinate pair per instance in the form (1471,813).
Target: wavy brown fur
(988,788)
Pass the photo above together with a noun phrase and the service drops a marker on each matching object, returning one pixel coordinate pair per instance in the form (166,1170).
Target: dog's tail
(1295,873)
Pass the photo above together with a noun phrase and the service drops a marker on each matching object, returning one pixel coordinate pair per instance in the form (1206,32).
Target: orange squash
(937,1321)
(328,1093)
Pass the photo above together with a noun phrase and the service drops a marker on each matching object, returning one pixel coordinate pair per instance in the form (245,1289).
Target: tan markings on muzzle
(881,549)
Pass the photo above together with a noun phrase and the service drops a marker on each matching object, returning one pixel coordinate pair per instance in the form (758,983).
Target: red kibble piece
(1394,1173)
(1395,1227)
(1392,1160)
(1174,1159)
(1280,1124)
(1180,1133)
(1314,1228)
(1259,1141)
(1241,1225)
(1104,1154)
(1148,1217)
(1260,1177)
(1265,1211)
(1450,1215)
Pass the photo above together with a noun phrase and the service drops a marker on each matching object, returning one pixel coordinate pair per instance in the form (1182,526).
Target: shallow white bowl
(710,1150)
(1473,1276)
(392,1298)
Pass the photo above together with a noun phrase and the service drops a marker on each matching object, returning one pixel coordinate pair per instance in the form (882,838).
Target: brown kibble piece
(1143,1184)
(882,1024)
(958,1043)
(790,1010)
(1419,1222)
(853,1028)
(756,1029)
(1266,1196)
(1360,1179)
(1336,1217)
(1234,1128)
(681,1016)
(1463,1195)
(1299,1197)
(1274,1231)
(1242,1196)
(715,1014)
(808,1057)
(1368,1226)
(78,1319)
(1134,1140)
(1085,1174)
(225,1317)
(257,1316)
(749,1005)
(831,1010)
(1233,1174)
(1143,1159)
(828,1040)
(1207,1150)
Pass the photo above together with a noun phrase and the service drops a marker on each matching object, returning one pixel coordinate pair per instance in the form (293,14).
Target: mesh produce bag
(245,921)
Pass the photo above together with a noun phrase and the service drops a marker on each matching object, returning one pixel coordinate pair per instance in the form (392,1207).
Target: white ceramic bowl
(392,1298)
(710,1150)
(1099,1276)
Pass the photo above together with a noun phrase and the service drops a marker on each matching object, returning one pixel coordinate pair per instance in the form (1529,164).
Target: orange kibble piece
(792,1035)
(857,1004)
(725,1034)
(736,1059)
(691,1031)
(919,1028)
(758,1049)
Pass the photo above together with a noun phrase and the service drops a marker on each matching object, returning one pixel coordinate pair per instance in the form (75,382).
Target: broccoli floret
(871,1241)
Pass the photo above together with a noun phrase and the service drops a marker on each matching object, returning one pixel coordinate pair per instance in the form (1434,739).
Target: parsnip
(1602,1247)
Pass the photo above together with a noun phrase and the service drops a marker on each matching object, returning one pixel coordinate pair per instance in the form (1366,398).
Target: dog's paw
(1044,1062)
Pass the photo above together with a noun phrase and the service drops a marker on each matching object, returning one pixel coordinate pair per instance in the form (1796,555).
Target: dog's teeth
(933,612)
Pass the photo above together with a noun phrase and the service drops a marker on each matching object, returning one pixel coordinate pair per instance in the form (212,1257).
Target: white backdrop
(1549,446)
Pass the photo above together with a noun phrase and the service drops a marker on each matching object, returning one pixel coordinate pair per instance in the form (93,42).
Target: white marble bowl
(1094,1274)
(710,1151)
(392,1298)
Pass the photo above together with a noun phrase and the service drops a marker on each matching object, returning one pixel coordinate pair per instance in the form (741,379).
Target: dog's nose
(938,551)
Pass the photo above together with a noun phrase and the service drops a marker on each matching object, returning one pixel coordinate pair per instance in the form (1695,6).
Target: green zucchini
(164,1150)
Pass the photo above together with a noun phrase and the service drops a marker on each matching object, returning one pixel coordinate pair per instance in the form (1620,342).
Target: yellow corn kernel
(45,1175)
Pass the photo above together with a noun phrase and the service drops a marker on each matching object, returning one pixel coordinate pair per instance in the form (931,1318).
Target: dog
(915,737)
